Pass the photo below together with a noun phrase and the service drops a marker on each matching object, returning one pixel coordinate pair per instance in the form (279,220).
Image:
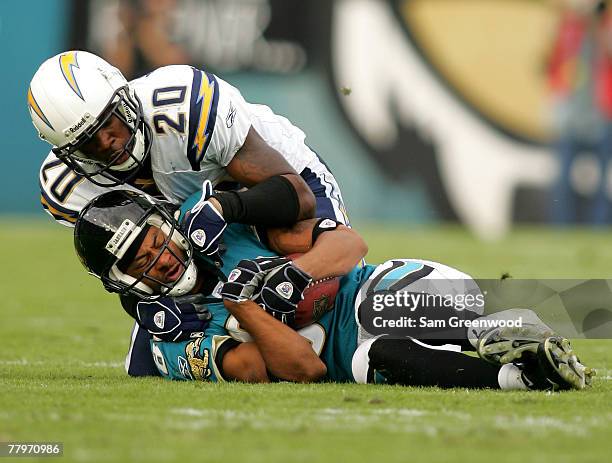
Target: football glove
(282,290)
(203,224)
(173,319)
(244,282)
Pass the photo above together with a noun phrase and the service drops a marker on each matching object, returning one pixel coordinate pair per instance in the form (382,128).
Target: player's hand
(173,319)
(282,290)
(244,282)
(203,223)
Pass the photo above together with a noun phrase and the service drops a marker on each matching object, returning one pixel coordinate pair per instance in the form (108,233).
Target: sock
(408,362)
(510,378)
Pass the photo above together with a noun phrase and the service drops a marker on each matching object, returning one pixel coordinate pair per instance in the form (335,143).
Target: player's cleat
(561,366)
(552,367)
(504,344)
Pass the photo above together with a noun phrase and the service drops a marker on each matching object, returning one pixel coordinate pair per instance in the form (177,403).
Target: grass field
(63,341)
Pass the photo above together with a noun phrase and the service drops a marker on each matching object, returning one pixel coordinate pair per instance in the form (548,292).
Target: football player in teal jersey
(136,247)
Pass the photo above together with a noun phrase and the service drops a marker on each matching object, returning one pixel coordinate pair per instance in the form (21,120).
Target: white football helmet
(70,98)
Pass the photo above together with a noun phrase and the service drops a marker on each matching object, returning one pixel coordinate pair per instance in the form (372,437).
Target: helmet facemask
(127,107)
(125,244)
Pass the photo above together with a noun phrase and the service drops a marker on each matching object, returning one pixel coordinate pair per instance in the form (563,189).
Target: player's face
(166,269)
(108,145)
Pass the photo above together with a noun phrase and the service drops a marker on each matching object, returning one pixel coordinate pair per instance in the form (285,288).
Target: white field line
(406,420)
(603,374)
(403,420)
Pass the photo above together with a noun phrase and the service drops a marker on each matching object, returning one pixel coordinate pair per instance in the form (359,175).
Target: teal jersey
(339,327)
(334,336)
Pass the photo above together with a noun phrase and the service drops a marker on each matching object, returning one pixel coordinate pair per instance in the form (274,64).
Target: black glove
(173,319)
(282,290)
(244,282)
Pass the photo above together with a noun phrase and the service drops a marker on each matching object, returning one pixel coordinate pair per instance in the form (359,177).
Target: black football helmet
(109,232)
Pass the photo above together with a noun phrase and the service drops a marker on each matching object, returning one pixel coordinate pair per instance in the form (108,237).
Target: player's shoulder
(58,190)
(177,76)
(63,192)
(181,74)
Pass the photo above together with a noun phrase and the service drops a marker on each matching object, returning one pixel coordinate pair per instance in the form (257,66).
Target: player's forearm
(278,201)
(335,253)
(287,355)
(277,196)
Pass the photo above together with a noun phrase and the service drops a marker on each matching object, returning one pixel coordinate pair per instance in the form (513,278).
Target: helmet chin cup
(137,153)
(186,282)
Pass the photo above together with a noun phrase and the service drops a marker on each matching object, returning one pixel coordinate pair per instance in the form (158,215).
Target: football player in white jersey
(165,133)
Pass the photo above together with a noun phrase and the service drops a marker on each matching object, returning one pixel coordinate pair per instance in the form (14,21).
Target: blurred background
(484,112)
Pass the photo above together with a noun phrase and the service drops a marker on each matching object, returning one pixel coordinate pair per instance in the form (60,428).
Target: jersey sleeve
(63,193)
(199,359)
(219,121)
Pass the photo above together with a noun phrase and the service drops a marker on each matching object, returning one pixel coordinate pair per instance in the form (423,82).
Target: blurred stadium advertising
(426,111)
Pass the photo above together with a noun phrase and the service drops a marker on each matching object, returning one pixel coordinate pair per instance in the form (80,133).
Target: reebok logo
(327,223)
(160,319)
(233,276)
(229,120)
(199,237)
(285,289)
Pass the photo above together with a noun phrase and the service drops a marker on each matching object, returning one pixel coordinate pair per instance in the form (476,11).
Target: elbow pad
(271,203)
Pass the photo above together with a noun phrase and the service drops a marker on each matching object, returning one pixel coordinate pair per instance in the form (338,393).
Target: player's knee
(361,362)
(380,356)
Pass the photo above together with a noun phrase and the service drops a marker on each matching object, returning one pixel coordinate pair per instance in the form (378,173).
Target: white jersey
(199,122)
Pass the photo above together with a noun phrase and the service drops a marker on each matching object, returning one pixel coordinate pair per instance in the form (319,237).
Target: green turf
(63,341)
